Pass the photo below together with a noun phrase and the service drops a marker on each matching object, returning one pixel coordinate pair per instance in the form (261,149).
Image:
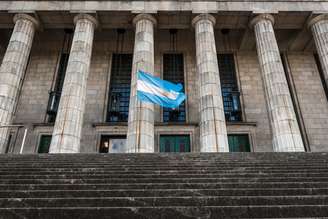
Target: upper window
(229,87)
(173,71)
(54,95)
(119,92)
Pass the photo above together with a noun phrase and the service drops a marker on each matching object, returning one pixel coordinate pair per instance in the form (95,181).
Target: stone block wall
(31,109)
(312,100)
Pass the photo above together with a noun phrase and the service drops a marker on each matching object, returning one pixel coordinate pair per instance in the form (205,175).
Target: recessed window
(112,144)
(55,93)
(119,91)
(174,143)
(173,71)
(44,144)
(239,143)
(229,88)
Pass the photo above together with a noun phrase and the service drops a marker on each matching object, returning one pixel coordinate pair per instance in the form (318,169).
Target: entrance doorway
(174,143)
(44,144)
(112,144)
(239,143)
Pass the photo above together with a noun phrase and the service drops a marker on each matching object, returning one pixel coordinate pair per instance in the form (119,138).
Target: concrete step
(183,192)
(164,185)
(274,211)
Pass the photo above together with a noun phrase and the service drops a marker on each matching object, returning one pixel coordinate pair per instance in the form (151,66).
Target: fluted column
(68,126)
(319,28)
(140,136)
(285,130)
(12,70)
(213,131)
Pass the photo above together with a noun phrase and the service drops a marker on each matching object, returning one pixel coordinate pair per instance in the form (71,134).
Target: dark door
(174,143)
(44,144)
(239,143)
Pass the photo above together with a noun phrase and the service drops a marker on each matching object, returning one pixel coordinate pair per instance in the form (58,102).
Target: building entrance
(174,143)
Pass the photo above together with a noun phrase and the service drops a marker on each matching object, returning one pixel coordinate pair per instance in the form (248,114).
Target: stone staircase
(225,185)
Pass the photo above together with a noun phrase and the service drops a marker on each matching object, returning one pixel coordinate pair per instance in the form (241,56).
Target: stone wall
(31,110)
(312,100)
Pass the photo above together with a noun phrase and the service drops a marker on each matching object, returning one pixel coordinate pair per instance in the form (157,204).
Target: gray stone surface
(66,136)
(12,70)
(213,132)
(140,136)
(285,130)
(319,28)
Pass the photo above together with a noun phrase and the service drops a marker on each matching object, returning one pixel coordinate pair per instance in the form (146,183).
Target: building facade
(254,73)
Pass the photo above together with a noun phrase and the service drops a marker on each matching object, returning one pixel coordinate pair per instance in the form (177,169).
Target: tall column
(213,131)
(140,136)
(319,28)
(285,130)
(12,70)
(68,126)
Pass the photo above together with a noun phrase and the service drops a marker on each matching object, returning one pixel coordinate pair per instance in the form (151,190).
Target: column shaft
(319,28)
(68,126)
(285,130)
(12,70)
(213,132)
(140,136)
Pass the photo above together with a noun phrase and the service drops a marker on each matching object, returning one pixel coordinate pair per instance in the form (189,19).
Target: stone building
(254,73)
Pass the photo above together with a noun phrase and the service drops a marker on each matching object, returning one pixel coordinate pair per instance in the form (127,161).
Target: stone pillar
(213,131)
(12,70)
(68,126)
(285,130)
(319,28)
(140,136)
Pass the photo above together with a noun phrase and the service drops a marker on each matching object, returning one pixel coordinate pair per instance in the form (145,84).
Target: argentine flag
(155,90)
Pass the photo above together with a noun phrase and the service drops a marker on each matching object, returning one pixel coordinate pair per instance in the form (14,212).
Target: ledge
(242,123)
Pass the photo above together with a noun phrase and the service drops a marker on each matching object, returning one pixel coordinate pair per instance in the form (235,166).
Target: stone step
(164,180)
(274,211)
(148,186)
(163,201)
(163,192)
(91,175)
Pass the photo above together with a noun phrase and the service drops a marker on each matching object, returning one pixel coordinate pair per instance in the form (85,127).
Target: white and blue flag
(155,90)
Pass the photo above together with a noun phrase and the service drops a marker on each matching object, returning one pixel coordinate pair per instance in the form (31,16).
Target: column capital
(144,16)
(261,17)
(26,17)
(316,19)
(86,17)
(200,17)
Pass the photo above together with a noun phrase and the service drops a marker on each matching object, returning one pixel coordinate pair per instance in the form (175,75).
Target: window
(239,143)
(44,144)
(174,143)
(54,95)
(112,144)
(229,88)
(119,92)
(173,71)
(322,77)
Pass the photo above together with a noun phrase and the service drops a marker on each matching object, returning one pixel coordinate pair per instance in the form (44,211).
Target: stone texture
(67,130)
(285,130)
(12,70)
(319,28)
(312,100)
(213,132)
(140,136)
